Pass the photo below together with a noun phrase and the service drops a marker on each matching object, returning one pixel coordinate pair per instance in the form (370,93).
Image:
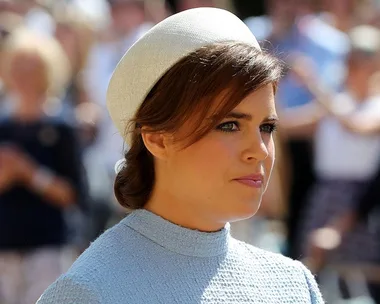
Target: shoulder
(58,122)
(281,269)
(5,120)
(266,258)
(114,248)
(369,109)
(58,128)
(7,127)
(98,271)
(71,288)
(343,103)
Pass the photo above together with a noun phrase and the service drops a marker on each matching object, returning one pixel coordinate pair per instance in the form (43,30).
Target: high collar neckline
(179,239)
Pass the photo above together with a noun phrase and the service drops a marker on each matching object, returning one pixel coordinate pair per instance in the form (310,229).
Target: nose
(255,149)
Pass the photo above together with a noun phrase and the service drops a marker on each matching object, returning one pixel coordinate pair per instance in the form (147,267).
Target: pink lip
(254,180)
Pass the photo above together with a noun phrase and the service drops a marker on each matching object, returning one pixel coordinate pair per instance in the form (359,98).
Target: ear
(156,143)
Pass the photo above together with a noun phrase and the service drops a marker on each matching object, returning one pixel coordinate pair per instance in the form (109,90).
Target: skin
(195,186)
(26,77)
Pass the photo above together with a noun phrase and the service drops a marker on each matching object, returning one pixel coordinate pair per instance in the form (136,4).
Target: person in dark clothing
(30,151)
(41,175)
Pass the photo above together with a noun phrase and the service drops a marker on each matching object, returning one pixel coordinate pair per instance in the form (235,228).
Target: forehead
(28,63)
(26,57)
(259,102)
(261,99)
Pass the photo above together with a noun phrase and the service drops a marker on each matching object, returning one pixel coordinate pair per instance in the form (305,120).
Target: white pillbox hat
(160,49)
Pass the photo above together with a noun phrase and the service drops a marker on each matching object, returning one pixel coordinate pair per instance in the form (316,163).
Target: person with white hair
(40,169)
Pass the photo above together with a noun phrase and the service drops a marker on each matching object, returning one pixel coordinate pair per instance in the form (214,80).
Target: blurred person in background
(367,210)
(40,170)
(347,153)
(76,35)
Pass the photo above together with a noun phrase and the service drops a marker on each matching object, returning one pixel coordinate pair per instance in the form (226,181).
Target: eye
(268,128)
(230,126)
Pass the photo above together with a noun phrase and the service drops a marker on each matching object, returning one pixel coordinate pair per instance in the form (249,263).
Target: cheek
(269,161)
(214,155)
(209,159)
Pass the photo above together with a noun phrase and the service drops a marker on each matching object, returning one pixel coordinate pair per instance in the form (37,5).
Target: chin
(244,211)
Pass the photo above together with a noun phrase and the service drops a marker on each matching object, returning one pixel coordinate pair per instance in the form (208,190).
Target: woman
(40,175)
(198,95)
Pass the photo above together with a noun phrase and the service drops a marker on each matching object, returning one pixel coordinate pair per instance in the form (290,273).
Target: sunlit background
(56,58)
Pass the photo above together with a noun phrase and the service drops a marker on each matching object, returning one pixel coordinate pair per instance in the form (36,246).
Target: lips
(254,180)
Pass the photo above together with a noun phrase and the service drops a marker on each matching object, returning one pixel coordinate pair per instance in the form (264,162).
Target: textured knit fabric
(146,259)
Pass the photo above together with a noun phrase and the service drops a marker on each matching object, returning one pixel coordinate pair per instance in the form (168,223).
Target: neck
(178,239)
(181,213)
(28,107)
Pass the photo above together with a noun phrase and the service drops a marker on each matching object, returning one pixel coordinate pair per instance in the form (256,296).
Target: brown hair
(189,90)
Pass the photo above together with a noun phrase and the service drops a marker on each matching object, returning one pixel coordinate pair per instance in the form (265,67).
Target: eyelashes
(234,126)
(268,127)
(229,126)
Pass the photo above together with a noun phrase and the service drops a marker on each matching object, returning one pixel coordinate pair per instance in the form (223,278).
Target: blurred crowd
(58,146)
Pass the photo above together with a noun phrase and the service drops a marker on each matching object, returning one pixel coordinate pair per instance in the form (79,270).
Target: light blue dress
(146,259)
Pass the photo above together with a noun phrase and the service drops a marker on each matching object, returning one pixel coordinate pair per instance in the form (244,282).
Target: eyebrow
(245,116)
